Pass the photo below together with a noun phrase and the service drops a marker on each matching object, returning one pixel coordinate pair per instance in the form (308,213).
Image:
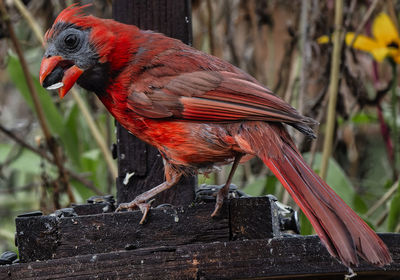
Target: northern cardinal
(199,111)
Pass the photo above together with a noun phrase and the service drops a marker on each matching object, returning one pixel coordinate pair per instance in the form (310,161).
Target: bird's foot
(142,205)
(222,194)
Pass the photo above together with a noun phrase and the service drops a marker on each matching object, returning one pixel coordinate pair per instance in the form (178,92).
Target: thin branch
(22,143)
(382,218)
(395,134)
(392,13)
(383,199)
(84,182)
(286,61)
(359,91)
(96,133)
(19,189)
(305,54)
(79,101)
(50,141)
(251,8)
(292,80)
(364,21)
(210,24)
(39,110)
(71,173)
(314,144)
(333,87)
(29,18)
(230,32)
(12,156)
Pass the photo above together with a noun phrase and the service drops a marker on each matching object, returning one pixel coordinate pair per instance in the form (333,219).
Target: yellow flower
(385,41)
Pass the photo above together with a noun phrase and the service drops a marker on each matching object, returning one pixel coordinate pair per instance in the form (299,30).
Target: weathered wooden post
(135,158)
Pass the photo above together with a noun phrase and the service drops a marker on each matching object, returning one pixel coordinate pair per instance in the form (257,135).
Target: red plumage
(201,111)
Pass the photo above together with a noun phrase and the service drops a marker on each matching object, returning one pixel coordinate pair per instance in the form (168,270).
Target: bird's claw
(221,195)
(143,207)
(128,206)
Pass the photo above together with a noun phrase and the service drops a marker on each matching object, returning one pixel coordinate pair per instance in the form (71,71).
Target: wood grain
(173,18)
(299,257)
(47,237)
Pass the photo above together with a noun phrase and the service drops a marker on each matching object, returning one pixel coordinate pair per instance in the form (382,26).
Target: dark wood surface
(298,257)
(254,218)
(244,242)
(173,18)
(49,237)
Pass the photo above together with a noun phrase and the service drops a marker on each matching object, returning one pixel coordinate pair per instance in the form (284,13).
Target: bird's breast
(200,145)
(184,143)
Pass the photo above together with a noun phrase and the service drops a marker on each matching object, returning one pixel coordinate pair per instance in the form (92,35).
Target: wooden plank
(254,218)
(42,238)
(297,257)
(173,18)
(112,232)
(36,236)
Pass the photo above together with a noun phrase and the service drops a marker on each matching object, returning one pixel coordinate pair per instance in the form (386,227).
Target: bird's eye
(71,41)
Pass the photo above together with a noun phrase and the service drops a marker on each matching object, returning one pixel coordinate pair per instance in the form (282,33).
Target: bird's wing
(212,96)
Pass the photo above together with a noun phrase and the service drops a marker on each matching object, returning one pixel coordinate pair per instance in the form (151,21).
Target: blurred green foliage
(28,168)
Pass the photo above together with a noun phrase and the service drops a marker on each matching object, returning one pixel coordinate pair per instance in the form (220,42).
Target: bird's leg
(223,192)
(140,200)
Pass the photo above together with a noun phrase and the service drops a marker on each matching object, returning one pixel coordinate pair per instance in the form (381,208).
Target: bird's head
(79,49)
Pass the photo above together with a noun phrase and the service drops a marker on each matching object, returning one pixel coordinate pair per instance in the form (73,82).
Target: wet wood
(254,218)
(48,237)
(36,236)
(297,257)
(173,18)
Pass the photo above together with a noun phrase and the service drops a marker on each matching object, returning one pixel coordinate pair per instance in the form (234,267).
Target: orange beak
(57,73)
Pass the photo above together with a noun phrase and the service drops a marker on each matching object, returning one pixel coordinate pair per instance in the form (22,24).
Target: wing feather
(214,96)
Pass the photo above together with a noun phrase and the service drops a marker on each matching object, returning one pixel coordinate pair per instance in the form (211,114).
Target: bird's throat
(96,79)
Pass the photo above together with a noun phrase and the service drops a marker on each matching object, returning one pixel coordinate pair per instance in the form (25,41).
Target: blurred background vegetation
(275,41)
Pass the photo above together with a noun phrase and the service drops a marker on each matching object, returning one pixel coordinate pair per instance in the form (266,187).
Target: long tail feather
(342,231)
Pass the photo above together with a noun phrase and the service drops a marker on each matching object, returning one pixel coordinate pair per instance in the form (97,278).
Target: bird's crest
(73,14)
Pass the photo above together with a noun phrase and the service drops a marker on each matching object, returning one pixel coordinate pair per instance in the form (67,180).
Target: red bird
(199,111)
